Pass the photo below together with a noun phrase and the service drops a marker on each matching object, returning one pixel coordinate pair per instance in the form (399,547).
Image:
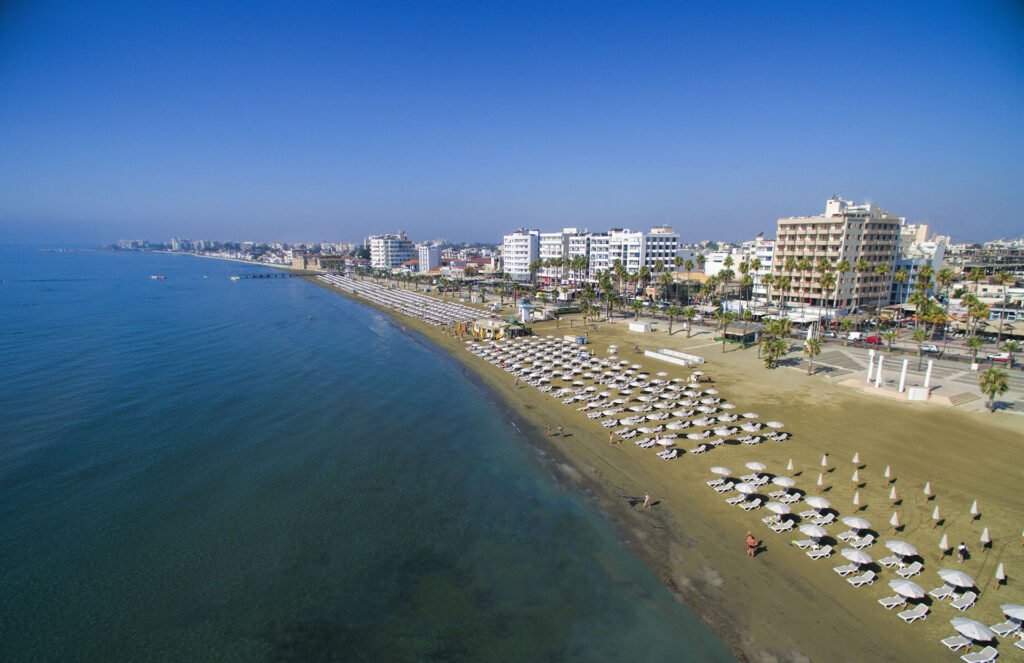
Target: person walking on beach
(516,383)
(751,545)
(647,500)
(611,437)
(559,431)
(549,430)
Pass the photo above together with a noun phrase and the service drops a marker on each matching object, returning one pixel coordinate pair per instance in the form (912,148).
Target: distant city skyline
(331,123)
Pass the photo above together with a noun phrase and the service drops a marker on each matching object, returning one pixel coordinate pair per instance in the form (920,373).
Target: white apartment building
(429,257)
(518,250)
(764,251)
(559,245)
(845,231)
(389,251)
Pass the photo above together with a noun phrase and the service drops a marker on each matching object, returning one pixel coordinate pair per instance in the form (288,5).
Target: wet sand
(782,605)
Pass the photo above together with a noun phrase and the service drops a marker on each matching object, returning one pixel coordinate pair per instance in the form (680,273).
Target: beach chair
(699,449)
(782,526)
(941,593)
(1019,644)
(956,642)
(715,482)
(1006,628)
(736,499)
(890,602)
(847,535)
(820,553)
(725,487)
(803,544)
(965,601)
(770,519)
(910,571)
(752,504)
(920,611)
(986,655)
(865,542)
(807,515)
(827,519)
(790,499)
(866,578)
(889,562)
(776,494)
(844,571)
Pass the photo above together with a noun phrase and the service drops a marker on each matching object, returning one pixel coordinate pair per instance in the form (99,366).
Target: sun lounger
(844,571)
(865,542)
(699,449)
(889,562)
(1019,644)
(804,544)
(736,499)
(725,487)
(776,494)
(866,578)
(890,602)
(807,515)
(910,571)
(847,535)
(783,526)
(752,504)
(790,499)
(820,553)
(941,593)
(827,519)
(1006,628)
(920,611)
(986,655)
(965,601)
(956,642)
(714,483)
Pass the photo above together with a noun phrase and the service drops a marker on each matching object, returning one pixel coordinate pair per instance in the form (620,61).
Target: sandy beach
(781,605)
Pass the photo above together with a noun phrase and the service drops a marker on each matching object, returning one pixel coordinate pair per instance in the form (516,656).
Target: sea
(204,469)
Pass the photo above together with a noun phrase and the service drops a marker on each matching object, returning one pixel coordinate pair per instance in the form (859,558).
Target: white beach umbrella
(662,374)
(746,488)
(751,415)
(927,489)
(789,465)
(906,588)
(856,457)
(888,472)
(944,543)
(756,466)
(635,366)
(774,424)
(956,578)
(727,406)
(824,460)
(901,548)
(778,508)
(821,480)
(785,482)
(1001,577)
(895,520)
(856,522)
(985,538)
(936,514)
(856,556)
(974,509)
(813,531)
(972,629)
(666,442)
(856,498)
(892,494)
(1012,610)
(817,502)
(724,471)
(856,476)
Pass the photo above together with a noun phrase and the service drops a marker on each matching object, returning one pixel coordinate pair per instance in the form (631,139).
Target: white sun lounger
(1006,628)
(890,602)
(737,499)
(965,601)
(920,611)
(827,519)
(716,482)
(986,655)
(1019,644)
(865,542)
(804,544)
(847,535)
(820,553)
(865,578)
(911,570)
(752,504)
(725,487)
(941,593)
(783,526)
(956,642)
(844,571)
(889,562)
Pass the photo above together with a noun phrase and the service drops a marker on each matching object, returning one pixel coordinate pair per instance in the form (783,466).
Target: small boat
(158,277)
(236,278)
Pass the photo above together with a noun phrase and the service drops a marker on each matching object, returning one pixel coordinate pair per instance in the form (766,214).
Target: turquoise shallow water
(201,469)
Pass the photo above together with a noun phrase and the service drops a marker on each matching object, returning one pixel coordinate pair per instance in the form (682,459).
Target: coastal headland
(781,605)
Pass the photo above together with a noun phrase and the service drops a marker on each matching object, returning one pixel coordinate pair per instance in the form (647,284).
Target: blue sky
(307,121)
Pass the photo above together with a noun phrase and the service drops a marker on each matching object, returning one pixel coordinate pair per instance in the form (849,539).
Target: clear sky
(329,121)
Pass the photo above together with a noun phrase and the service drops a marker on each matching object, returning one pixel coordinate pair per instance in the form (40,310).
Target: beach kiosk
(490,329)
(525,311)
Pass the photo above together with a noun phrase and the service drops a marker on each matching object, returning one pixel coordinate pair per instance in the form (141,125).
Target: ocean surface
(200,469)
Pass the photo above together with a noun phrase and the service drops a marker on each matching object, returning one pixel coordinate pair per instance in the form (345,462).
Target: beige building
(845,231)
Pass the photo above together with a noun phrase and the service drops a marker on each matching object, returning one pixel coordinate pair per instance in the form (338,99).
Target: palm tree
(701,261)
(724,318)
(846,326)
(812,348)
(945,278)
(828,281)
(783,283)
(1004,279)
(637,306)
(974,344)
(993,382)
(666,281)
(901,277)
(976,274)
(1010,347)
(534,267)
(889,335)
(689,268)
(643,277)
(672,312)
(689,313)
(919,336)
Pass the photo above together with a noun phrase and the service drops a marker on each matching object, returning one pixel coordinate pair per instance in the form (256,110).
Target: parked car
(874,339)
(830,334)
(999,356)
(930,348)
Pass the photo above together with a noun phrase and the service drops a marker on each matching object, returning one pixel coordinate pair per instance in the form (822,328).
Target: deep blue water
(201,469)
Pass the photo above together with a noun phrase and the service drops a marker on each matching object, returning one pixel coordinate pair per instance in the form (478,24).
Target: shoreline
(785,607)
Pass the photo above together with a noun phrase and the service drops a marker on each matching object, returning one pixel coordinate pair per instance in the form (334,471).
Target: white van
(855,336)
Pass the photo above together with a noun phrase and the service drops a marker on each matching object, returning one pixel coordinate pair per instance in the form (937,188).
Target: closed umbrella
(778,508)
(901,548)
(824,460)
(856,498)
(1013,610)
(818,502)
(785,482)
(928,489)
(892,494)
(813,531)
(895,520)
(971,629)
(888,472)
(856,522)
(906,588)
(1000,579)
(856,457)
(974,509)
(985,538)
(956,578)
(821,480)
(789,465)
(856,556)
(746,488)
(756,466)
(723,471)
(856,476)
(936,514)
(944,543)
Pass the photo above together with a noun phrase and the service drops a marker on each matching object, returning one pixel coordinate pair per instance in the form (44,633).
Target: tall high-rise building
(518,251)
(865,236)
(429,257)
(388,251)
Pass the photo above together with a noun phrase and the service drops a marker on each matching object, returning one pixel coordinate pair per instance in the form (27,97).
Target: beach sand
(782,606)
